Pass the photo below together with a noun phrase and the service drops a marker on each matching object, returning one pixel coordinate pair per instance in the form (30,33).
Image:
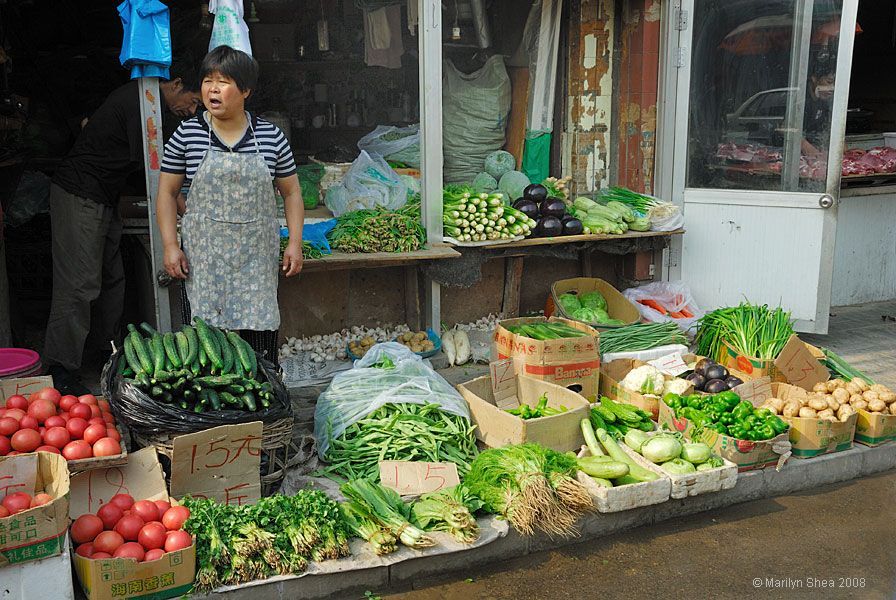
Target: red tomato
(29,422)
(175,517)
(109,418)
(154,554)
(50,449)
(123,501)
(8,426)
(15,413)
(17,401)
(76,427)
(4,512)
(111,432)
(25,440)
(81,410)
(96,420)
(95,412)
(76,450)
(67,402)
(106,447)
(104,405)
(42,410)
(85,550)
(41,499)
(177,540)
(100,555)
(87,399)
(48,393)
(152,536)
(129,527)
(146,510)
(109,513)
(16,502)
(107,541)
(57,436)
(94,432)
(5,446)
(54,421)
(86,528)
(130,550)
(163,506)
(65,416)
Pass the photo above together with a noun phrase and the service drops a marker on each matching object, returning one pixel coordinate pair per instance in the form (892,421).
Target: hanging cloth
(229,29)
(382,37)
(413,16)
(146,45)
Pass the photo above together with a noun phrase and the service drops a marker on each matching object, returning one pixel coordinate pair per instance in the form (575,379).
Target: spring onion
(641,336)
(751,330)
(387,508)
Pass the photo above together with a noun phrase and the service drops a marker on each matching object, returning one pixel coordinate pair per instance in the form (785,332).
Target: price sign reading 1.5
(220,452)
(409,478)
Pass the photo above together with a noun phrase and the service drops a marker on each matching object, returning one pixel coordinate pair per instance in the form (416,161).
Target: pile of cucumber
(198,368)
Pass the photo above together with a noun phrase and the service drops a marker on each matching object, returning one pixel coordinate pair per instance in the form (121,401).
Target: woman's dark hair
(235,64)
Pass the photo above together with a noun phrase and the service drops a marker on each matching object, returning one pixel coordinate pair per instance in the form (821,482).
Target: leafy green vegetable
(386,507)
(499,162)
(570,302)
(590,315)
(448,510)
(512,184)
(485,183)
(593,300)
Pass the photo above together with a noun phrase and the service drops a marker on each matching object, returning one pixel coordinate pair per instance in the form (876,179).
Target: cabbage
(569,302)
(696,453)
(640,224)
(512,184)
(499,162)
(485,183)
(661,449)
(593,300)
(589,315)
(677,466)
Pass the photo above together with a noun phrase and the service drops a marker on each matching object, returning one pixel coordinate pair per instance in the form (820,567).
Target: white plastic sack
(401,144)
(666,217)
(673,296)
(370,182)
(229,29)
(356,393)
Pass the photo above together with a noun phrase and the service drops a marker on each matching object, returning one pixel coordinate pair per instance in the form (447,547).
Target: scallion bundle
(641,336)
(750,329)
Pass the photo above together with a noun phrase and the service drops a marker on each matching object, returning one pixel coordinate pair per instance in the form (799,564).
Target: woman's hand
(176,262)
(292,259)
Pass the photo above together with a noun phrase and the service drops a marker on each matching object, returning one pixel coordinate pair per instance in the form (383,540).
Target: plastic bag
(666,217)
(230,29)
(370,182)
(355,394)
(401,144)
(316,234)
(474,117)
(146,46)
(309,179)
(145,416)
(674,297)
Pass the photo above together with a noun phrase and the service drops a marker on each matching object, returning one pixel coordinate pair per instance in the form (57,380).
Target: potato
(853,388)
(833,404)
(877,406)
(870,395)
(880,389)
(893,409)
(845,411)
(778,403)
(887,397)
(808,413)
(791,408)
(860,405)
(825,414)
(832,385)
(770,407)
(821,388)
(818,404)
(862,384)
(841,395)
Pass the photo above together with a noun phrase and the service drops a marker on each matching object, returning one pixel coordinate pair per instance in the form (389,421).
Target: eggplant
(733,381)
(535,192)
(572,226)
(550,227)
(702,364)
(715,386)
(698,380)
(552,207)
(715,372)
(527,207)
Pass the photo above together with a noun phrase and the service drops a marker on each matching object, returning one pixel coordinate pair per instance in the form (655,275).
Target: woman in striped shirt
(230,232)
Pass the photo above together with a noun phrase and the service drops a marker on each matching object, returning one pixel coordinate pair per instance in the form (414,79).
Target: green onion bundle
(380,230)
(751,330)
(448,510)
(386,507)
(641,336)
(638,202)
(469,216)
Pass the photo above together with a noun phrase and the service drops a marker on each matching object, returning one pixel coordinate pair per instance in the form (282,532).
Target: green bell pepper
(762,413)
(742,410)
(727,418)
(718,427)
(674,401)
(764,432)
(694,401)
(776,423)
(729,398)
(736,431)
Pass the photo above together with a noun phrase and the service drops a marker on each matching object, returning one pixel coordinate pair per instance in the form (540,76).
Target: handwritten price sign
(18,475)
(24,385)
(412,478)
(799,366)
(142,478)
(220,463)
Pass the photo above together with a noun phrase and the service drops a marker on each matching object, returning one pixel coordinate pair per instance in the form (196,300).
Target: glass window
(762,83)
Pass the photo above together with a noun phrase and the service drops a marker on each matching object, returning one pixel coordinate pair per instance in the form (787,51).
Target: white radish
(448,346)
(462,346)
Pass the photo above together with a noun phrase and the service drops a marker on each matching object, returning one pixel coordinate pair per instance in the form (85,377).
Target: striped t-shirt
(186,148)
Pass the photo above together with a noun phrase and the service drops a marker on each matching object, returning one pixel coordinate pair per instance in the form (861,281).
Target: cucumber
(128,372)
(183,347)
(264,400)
(241,352)
(603,469)
(142,353)
(217,380)
(193,344)
(230,399)
(249,401)
(142,381)
(213,399)
(208,342)
(163,375)
(148,329)
(158,353)
(226,350)
(237,390)
(203,357)
(174,359)
(131,356)
(156,391)
(198,408)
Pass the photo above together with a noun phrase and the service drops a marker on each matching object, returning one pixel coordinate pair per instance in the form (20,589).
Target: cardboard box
(118,578)
(747,455)
(814,437)
(796,364)
(37,532)
(627,497)
(496,427)
(51,575)
(874,430)
(618,306)
(573,363)
(613,372)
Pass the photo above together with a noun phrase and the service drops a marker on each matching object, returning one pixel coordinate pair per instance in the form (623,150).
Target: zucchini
(192,345)
(171,351)
(226,350)
(208,342)
(603,469)
(142,352)
(131,356)
(158,353)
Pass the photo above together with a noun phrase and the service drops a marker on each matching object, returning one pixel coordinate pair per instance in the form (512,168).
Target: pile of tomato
(17,502)
(144,530)
(46,421)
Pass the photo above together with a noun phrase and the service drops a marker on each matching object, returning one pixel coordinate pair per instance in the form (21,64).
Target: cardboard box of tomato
(107,578)
(36,530)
